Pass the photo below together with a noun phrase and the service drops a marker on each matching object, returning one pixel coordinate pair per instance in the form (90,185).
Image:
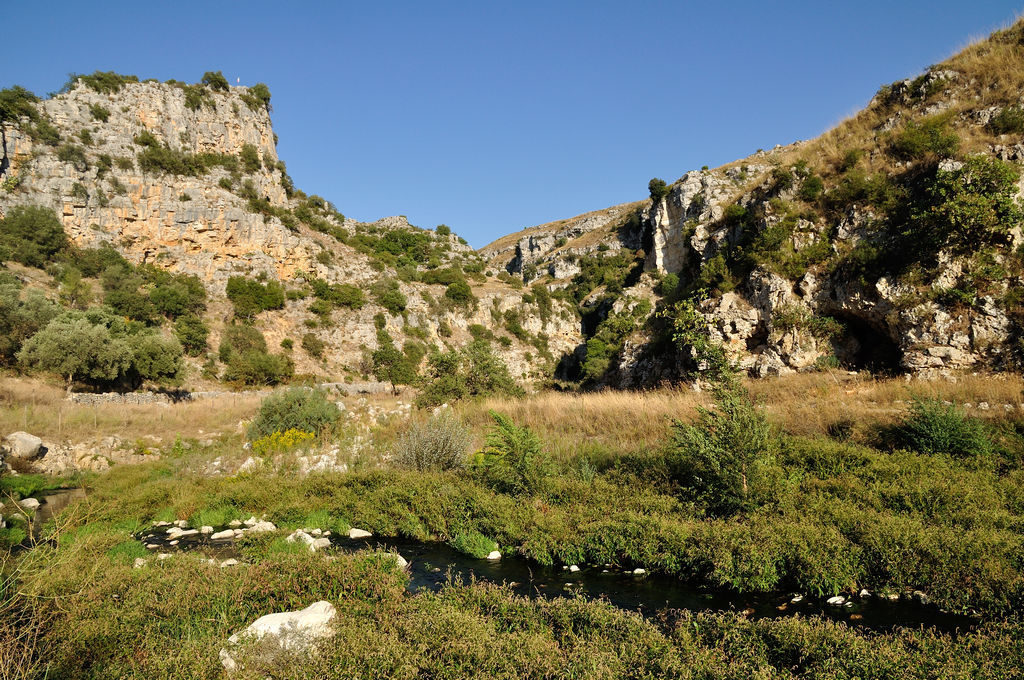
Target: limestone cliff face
(188,224)
(803,266)
(201,223)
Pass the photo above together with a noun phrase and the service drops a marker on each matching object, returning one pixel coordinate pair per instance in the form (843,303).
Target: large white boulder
(23,445)
(293,631)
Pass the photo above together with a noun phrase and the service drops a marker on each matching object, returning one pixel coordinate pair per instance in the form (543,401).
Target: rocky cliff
(891,243)
(187,178)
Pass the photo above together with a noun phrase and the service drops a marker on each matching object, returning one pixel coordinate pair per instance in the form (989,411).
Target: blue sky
(493,117)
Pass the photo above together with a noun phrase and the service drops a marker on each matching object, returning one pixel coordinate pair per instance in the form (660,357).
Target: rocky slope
(187,177)
(889,243)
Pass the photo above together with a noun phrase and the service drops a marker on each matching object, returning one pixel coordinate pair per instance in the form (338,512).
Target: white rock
(181,523)
(234,524)
(29,503)
(573,568)
(399,560)
(152,546)
(250,464)
(494,555)
(161,524)
(23,445)
(796,599)
(230,562)
(140,562)
(251,521)
(836,601)
(163,556)
(319,544)
(227,533)
(205,529)
(865,593)
(293,631)
(358,533)
(175,542)
(639,570)
(261,527)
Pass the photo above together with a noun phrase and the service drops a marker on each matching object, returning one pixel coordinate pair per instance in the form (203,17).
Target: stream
(432,564)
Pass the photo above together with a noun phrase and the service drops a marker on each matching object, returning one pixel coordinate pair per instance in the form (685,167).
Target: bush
(104,82)
(294,409)
(313,345)
(155,359)
(16,102)
(459,292)
(250,157)
(76,349)
(657,188)
(936,428)
(391,298)
(1009,120)
(474,371)
(473,543)
(238,339)
(99,112)
(31,235)
(726,460)
(216,81)
(251,297)
(257,96)
(437,444)
(929,136)
(259,368)
(192,333)
(73,154)
(513,459)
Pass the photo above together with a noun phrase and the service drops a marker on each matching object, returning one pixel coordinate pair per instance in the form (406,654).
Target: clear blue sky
(492,117)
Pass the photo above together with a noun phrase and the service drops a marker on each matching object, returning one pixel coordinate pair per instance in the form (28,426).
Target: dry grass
(804,404)
(40,408)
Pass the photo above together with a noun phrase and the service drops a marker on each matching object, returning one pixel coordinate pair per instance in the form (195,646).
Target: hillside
(889,243)
(185,180)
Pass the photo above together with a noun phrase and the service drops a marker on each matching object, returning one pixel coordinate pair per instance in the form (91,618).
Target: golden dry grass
(40,408)
(803,404)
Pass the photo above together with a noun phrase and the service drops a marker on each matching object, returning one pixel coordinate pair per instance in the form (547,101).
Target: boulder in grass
(296,631)
(23,446)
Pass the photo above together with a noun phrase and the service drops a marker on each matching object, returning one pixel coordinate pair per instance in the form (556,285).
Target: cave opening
(864,347)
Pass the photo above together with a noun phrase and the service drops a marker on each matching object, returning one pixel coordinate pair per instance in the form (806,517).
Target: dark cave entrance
(864,347)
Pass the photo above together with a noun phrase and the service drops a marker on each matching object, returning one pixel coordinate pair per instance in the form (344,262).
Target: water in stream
(432,564)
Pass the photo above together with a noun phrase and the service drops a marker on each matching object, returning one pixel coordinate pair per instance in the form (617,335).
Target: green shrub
(192,333)
(73,154)
(313,345)
(1009,120)
(460,293)
(726,459)
(257,97)
(31,235)
(216,81)
(811,188)
(658,189)
(104,82)
(390,297)
(473,543)
(936,428)
(513,459)
(250,157)
(294,409)
(928,136)
(443,230)
(473,371)
(16,103)
(99,112)
(440,443)
(250,297)
(258,368)
(239,338)
(155,359)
